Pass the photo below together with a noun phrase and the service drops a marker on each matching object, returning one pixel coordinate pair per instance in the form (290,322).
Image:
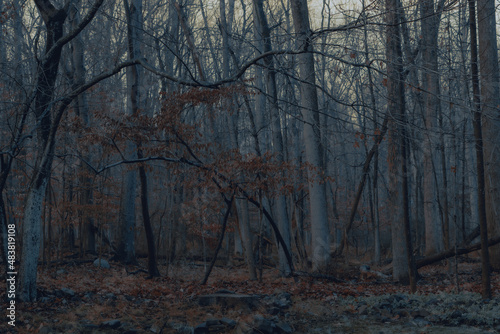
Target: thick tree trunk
(480,169)
(312,137)
(125,250)
(490,102)
(135,104)
(32,224)
(47,123)
(430,28)
(281,206)
(402,255)
(31,241)
(241,205)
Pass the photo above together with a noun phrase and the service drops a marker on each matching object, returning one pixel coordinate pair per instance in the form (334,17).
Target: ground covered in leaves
(79,297)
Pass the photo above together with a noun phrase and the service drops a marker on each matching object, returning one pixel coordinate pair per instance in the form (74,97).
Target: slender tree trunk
(375,171)
(221,238)
(82,110)
(190,40)
(247,238)
(152,266)
(209,37)
(444,188)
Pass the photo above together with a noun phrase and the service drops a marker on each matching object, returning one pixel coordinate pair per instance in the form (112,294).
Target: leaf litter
(80,298)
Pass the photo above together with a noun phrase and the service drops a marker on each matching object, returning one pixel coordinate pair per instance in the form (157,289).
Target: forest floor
(78,297)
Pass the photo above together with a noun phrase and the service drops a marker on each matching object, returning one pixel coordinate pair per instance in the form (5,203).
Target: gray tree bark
(242,205)
(395,108)
(480,163)
(82,110)
(490,102)
(48,119)
(430,29)
(320,233)
(47,73)
(125,251)
(264,33)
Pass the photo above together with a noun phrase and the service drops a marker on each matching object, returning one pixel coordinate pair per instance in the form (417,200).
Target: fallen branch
(447,254)
(451,252)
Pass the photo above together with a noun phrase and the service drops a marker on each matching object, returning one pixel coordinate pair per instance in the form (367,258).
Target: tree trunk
(46,77)
(152,266)
(31,240)
(281,206)
(490,102)
(312,137)
(430,28)
(397,150)
(82,110)
(241,205)
(375,202)
(478,140)
(136,103)
(3,55)
(48,119)
(3,166)
(125,250)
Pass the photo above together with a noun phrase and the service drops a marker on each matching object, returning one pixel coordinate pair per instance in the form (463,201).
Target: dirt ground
(78,297)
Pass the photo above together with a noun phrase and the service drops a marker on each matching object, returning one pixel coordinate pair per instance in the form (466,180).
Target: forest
(185,157)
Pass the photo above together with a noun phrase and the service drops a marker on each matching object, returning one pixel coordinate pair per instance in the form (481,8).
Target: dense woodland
(275,133)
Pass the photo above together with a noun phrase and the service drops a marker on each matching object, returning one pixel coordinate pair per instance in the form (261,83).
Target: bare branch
(216,84)
(72,34)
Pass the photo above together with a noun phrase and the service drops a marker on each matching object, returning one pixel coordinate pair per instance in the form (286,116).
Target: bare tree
(47,123)
(430,28)
(490,101)
(403,264)
(320,233)
(263,30)
(479,148)
(82,110)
